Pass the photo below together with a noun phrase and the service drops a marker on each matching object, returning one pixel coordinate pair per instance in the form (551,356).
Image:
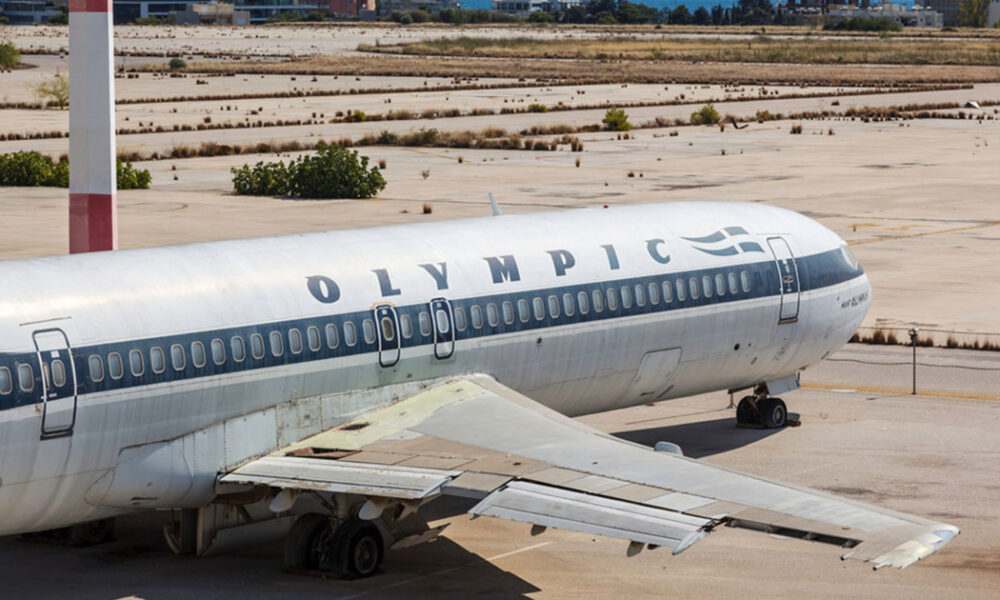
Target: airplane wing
(473,437)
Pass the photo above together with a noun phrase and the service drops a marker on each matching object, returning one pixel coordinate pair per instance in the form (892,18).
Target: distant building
(523,8)
(993,14)
(217,13)
(351,8)
(26,12)
(905,16)
(947,8)
(127,11)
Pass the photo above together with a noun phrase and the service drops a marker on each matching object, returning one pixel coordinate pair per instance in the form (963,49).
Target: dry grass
(594,71)
(760,49)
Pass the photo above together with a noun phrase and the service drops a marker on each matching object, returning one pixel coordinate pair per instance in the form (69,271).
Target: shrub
(615,119)
(796,129)
(54,91)
(706,115)
(535,107)
(177,63)
(333,172)
(10,57)
(33,169)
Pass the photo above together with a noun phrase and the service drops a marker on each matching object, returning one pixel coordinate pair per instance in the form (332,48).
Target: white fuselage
(584,311)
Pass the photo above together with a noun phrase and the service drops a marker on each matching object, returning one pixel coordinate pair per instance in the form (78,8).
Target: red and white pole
(93,206)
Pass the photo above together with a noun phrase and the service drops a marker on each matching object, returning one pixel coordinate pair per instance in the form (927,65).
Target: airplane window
(135,362)
(668,292)
(745,281)
(257,345)
(312,335)
(654,294)
(568,307)
(58,373)
(278,344)
(508,312)
(720,285)
(598,298)
(197,355)
(239,348)
(538,307)
(640,295)
(295,338)
(553,307)
(115,367)
(218,351)
(492,316)
(177,357)
(6,385)
(405,326)
(523,310)
(693,288)
(460,322)
(367,328)
(26,378)
(350,333)
(156,360)
(96,365)
(477,316)
(626,297)
(441,321)
(732,282)
(584,300)
(706,285)
(424,320)
(332,337)
(612,298)
(681,290)
(388,329)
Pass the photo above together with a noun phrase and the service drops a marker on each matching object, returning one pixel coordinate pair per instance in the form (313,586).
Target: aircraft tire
(773,412)
(359,550)
(92,533)
(303,544)
(746,412)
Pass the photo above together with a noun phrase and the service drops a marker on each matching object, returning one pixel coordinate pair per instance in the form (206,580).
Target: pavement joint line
(906,392)
(922,234)
(441,572)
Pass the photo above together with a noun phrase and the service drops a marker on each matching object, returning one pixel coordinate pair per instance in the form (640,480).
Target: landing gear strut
(761,409)
(349,549)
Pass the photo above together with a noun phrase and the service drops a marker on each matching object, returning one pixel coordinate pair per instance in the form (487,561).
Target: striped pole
(93,207)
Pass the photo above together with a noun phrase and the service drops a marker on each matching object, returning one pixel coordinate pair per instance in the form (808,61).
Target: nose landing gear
(771,413)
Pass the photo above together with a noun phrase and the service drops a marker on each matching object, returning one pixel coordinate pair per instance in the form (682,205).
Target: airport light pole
(93,205)
(913,342)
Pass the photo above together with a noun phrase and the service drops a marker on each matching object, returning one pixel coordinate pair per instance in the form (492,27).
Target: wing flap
(568,509)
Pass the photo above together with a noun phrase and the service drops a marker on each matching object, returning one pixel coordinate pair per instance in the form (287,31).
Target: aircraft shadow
(700,439)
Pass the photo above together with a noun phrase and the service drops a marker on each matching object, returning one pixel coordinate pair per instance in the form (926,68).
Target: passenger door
(788,275)
(57,375)
(443,322)
(387,334)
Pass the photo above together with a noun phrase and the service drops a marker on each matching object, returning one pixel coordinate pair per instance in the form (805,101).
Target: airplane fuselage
(129,380)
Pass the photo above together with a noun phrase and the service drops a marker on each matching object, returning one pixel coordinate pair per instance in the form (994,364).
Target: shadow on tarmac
(700,439)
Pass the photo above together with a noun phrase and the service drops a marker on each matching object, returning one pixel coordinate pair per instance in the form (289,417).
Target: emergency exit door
(57,378)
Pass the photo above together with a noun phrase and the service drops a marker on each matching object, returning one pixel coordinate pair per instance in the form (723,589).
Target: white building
(902,14)
(523,8)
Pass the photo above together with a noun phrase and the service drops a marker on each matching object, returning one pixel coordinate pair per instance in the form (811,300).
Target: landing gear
(348,549)
(768,412)
(80,535)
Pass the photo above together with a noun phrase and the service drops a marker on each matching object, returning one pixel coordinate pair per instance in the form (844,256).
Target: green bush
(535,107)
(615,119)
(10,57)
(863,24)
(706,115)
(177,63)
(333,172)
(34,169)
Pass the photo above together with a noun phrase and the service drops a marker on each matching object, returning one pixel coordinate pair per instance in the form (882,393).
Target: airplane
(325,387)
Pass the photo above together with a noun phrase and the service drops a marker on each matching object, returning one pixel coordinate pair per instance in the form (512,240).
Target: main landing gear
(349,549)
(761,409)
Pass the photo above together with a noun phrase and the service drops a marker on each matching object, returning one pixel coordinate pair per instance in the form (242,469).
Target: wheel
(351,551)
(300,543)
(359,550)
(92,533)
(773,412)
(746,411)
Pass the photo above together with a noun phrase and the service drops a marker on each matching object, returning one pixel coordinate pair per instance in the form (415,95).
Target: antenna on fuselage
(494,206)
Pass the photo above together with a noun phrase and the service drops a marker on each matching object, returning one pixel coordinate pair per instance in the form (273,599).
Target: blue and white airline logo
(725,242)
